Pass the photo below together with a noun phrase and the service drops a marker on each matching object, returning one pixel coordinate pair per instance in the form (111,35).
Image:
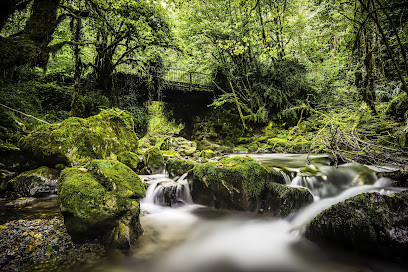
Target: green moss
(117,176)
(368,222)
(240,149)
(283,200)
(175,167)
(398,106)
(231,171)
(253,147)
(80,193)
(77,140)
(277,142)
(153,157)
(6,147)
(93,198)
(207,154)
(179,144)
(309,170)
(130,159)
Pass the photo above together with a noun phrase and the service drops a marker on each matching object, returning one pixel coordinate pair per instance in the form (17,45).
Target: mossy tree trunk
(31,45)
(77,106)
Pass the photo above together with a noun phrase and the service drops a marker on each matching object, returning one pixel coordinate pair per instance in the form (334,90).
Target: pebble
(26,243)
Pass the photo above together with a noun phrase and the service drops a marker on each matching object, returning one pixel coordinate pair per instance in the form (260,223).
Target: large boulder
(182,146)
(178,167)
(101,200)
(154,159)
(38,182)
(242,184)
(207,154)
(371,223)
(77,140)
(130,159)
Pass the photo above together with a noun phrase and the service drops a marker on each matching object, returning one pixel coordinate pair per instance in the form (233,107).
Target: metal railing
(187,78)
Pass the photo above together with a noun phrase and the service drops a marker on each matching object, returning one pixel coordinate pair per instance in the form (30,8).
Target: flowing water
(182,236)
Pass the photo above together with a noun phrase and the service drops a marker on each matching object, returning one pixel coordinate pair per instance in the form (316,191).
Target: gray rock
(38,182)
(370,223)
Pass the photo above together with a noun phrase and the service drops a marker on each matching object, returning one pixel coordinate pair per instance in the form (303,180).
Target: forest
(137,132)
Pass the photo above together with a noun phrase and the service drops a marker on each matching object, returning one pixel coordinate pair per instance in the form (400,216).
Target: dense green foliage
(289,76)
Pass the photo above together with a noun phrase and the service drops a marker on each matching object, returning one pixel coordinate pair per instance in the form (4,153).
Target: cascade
(163,191)
(227,241)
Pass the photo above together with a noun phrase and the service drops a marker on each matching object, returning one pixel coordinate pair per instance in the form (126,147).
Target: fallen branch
(28,115)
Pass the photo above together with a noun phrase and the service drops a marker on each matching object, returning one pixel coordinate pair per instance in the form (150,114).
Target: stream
(189,237)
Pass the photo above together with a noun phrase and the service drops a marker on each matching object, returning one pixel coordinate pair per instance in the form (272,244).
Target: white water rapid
(180,236)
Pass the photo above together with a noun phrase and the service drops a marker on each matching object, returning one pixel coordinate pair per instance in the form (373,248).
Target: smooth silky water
(189,237)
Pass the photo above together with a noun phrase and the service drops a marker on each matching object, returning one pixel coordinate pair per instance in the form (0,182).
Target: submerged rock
(241,183)
(101,200)
(38,182)
(77,140)
(179,144)
(370,223)
(176,167)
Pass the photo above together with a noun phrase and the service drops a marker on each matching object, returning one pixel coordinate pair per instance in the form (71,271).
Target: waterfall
(166,192)
(183,193)
(285,176)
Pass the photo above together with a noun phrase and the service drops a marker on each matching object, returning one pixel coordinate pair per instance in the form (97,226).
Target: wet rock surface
(28,208)
(38,182)
(242,184)
(178,167)
(370,223)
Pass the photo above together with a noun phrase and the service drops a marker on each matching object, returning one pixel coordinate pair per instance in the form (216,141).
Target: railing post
(191,81)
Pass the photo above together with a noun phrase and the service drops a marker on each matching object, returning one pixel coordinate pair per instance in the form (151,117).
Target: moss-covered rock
(370,222)
(101,200)
(175,167)
(207,154)
(241,149)
(77,140)
(130,159)
(37,182)
(169,154)
(241,183)
(281,200)
(5,176)
(154,159)
(398,107)
(179,144)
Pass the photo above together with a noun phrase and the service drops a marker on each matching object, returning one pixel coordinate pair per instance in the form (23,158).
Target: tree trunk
(77,106)
(31,46)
